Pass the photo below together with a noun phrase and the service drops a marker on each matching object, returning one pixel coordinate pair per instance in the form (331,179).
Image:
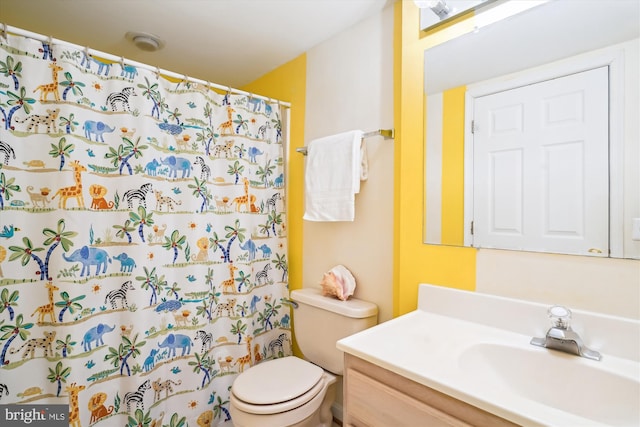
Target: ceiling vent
(145,41)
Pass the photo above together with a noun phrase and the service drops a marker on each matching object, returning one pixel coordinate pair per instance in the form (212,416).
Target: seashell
(338,282)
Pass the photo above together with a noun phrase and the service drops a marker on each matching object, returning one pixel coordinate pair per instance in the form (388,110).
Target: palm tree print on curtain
(143,259)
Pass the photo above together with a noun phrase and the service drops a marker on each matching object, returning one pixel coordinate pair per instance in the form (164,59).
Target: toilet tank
(320,321)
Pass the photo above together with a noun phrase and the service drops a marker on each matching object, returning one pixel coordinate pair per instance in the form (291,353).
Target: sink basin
(460,344)
(568,383)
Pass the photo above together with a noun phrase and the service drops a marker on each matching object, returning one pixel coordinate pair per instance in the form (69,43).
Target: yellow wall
(453,166)
(415,262)
(288,83)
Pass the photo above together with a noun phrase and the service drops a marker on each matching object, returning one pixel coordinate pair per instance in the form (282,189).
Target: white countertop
(433,349)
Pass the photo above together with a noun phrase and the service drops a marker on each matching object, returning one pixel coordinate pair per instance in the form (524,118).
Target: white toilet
(293,392)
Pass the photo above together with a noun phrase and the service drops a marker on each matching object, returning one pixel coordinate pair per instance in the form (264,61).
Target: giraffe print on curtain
(143,249)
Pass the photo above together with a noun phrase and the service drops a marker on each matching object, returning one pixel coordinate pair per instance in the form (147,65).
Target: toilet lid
(276,381)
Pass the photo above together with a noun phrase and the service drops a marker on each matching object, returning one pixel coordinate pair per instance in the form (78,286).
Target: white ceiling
(228,42)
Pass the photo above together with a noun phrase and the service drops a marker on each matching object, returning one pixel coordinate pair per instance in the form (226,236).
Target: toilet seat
(290,382)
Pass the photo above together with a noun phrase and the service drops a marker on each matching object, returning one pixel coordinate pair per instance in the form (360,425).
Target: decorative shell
(338,282)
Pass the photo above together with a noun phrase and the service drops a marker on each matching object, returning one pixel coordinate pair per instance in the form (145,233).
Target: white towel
(335,166)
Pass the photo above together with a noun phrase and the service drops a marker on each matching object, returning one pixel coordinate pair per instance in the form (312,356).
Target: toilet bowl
(299,394)
(294,392)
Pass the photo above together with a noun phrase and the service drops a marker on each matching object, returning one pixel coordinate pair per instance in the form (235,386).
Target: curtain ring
(227,97)
(157,73)
(3,33)
(86,52)
(122,62)
(50,41)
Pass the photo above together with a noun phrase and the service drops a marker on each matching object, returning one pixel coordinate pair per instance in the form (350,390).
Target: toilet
(290,391)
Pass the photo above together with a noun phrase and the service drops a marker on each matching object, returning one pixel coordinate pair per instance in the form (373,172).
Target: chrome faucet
(561,337)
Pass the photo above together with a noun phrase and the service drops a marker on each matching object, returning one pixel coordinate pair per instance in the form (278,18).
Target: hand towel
(335,166)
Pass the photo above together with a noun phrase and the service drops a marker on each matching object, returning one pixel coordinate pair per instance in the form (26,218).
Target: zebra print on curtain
(143,249)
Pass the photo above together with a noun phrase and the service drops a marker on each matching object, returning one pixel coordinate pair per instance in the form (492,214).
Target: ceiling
(228,42)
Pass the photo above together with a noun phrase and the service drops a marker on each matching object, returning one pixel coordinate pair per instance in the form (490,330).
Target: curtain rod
(6,29)
(386,133)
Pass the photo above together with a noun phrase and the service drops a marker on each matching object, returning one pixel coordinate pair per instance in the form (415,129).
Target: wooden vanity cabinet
(376,397)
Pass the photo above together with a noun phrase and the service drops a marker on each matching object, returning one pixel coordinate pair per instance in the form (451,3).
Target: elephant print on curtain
(143,247)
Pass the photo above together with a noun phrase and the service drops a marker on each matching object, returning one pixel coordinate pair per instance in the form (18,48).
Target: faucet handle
(560,316)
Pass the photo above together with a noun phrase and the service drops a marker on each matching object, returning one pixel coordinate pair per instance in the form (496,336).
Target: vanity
(375,396)
(466,359)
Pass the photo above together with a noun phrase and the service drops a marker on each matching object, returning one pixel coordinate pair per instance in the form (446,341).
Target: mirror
(547,33)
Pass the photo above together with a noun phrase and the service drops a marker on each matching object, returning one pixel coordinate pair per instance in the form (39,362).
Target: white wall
(603,285)
(350,86)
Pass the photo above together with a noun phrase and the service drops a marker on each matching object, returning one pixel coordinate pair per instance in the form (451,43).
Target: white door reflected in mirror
(541,166)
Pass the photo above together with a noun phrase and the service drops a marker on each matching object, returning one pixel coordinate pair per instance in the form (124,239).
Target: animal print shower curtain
(143,250)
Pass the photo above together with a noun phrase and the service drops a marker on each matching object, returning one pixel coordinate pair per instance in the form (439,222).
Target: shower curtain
(143,249)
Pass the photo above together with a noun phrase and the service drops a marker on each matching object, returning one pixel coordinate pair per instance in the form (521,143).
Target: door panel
(541,174)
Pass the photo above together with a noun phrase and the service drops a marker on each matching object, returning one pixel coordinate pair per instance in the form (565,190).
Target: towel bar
(386,133)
